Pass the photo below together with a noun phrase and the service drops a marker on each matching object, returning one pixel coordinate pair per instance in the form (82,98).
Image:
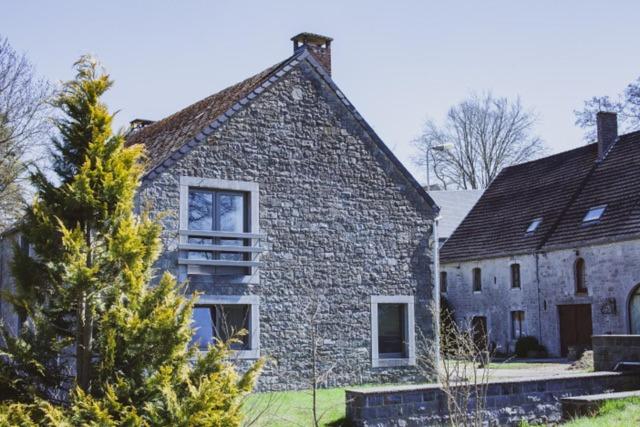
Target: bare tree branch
(23,123)
(482,134)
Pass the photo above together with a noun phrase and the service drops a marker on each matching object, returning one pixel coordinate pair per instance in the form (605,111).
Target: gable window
(534,225)
(517,324)
(594,214)
(222,318)
(443,282)
(579,273)
(392,335)
(224,211)
(218,229)
(477,279)
(515,276)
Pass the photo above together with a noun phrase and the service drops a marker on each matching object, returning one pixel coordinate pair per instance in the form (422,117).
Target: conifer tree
(98,344)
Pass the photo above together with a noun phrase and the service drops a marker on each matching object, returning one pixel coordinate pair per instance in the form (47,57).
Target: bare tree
(626,104)
(480,136)
(463,370)
(23,121)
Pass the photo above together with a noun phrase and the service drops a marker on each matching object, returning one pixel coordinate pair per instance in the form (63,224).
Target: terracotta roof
(165,136)
(560,189)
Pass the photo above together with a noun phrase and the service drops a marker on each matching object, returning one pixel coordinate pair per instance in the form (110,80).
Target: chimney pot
(607,129)
(318,45)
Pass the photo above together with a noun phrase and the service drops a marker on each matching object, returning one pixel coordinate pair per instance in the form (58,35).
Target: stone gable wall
(341,222)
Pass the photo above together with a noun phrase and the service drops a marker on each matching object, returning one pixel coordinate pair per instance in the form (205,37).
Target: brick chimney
(319,46)
(607,129)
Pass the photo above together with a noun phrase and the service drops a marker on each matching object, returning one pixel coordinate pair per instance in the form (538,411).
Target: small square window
(534,225)
(594,213)
(222,317)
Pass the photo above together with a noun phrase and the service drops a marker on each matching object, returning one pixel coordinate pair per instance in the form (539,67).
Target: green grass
(520,365)
(625,412)
(293,408)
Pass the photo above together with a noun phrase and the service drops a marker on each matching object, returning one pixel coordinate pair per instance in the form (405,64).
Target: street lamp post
(441,147)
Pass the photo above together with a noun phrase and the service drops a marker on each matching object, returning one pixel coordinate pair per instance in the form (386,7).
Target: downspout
(436,288)
(537,254)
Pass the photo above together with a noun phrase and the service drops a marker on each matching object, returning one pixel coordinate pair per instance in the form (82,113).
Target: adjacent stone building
(286,211)
(552,248)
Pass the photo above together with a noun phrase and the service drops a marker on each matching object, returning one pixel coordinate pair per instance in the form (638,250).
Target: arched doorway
(634,311)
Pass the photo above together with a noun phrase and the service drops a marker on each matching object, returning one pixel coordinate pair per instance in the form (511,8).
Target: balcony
(245,245)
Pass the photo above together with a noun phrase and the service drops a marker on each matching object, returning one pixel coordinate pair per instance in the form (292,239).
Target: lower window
(517,324)
(219,318)
(392,324)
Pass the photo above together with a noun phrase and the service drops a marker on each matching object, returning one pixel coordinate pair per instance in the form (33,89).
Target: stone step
(578,406)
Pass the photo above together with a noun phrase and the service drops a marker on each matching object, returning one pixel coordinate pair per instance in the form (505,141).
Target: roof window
(594,213)
(534,225)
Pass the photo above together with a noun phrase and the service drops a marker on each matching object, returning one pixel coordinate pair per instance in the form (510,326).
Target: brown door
(575,326)
(479,325)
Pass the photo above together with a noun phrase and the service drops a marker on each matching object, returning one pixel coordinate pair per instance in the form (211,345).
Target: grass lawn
(293,408)
(613,414)
(521,365)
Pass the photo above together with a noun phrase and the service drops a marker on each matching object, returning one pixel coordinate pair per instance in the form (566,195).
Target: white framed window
(222,317)
(219,229)
(392,331)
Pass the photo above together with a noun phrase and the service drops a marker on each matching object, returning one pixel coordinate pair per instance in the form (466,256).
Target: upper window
(477,279)
(534,225)
(392,321)
(594,213)
(515,275)
(211,210)
(579,267)
(443,282)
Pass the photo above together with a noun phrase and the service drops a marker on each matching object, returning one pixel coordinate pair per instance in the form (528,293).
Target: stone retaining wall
(608,350)
(508,402)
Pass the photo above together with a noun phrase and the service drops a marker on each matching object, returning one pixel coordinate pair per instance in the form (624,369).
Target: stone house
(552,248)
(287,213)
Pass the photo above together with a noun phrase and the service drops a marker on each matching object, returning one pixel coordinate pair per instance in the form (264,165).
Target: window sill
(242,354)
(516,289)
(392,363)
(477,292)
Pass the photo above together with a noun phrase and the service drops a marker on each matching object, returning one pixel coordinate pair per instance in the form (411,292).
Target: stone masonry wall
(608,350)
(507,402)
(611,275)
(341,223)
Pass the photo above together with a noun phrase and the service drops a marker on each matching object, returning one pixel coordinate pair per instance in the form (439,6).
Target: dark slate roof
(169,139)
(615,182)
(454,207)
(560,189)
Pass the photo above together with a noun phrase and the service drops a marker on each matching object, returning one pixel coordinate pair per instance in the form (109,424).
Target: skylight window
(534,225)
(594,213)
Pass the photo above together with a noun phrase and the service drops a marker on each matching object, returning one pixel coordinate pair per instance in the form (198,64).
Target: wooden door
(575,326)
(479,325)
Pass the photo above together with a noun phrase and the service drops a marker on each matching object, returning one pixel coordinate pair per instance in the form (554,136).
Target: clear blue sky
(398,62)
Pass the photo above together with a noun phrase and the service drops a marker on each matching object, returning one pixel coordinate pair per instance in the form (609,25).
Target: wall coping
(616,336)
(437,386)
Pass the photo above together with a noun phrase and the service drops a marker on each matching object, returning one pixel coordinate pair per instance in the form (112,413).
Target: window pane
(231,212)
(594,213)
(443,281)
(391,330)
(199,254)
(203,325)
(200,210)
(231,319)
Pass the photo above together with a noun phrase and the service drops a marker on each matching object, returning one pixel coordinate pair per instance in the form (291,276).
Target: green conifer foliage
(100,345)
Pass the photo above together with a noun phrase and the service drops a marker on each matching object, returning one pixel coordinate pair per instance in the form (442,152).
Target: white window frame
(410,360)
(251,188)
(254,321)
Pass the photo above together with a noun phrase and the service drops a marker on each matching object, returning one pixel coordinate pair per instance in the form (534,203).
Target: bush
(526,344)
